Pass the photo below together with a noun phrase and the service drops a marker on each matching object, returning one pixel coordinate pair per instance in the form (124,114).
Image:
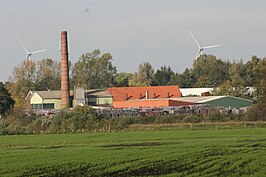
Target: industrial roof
(134,93)
(49,94)
(98,92)
(204,99)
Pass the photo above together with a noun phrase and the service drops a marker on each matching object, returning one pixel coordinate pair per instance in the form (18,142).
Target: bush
(256,112)
(193,118)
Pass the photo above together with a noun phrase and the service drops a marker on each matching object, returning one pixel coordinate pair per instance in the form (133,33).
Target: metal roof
(205,99)
(50,94)
(133,93)
(98,93)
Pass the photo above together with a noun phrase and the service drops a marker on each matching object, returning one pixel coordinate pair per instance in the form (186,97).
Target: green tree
(210,71)
(163,76)
(252,71)
(94,70)
(6,101)
(144,77)
(122,79)
(261,84)
(225,88)
(186,79)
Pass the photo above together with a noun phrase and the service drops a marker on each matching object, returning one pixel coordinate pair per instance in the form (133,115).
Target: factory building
(130,97)
(146,96)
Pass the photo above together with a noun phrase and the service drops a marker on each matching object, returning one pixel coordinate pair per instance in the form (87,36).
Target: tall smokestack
(64,71)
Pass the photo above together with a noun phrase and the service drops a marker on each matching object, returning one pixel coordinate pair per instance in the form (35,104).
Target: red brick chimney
(64,71)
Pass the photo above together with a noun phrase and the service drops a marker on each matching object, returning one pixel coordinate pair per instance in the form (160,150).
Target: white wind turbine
(28,54)
(200,52)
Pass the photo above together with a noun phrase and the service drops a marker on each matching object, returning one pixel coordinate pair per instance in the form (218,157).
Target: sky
(134,32)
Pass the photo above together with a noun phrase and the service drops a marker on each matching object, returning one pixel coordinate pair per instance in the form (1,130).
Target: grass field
(171,152)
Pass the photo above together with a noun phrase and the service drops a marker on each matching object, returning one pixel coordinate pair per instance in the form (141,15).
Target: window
(43,106)
(48,106)
(36,106)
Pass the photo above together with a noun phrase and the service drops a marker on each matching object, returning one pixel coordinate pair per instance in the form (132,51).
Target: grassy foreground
(172,152)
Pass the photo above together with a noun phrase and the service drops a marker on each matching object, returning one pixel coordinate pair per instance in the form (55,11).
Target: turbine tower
(200,51)
(29,54)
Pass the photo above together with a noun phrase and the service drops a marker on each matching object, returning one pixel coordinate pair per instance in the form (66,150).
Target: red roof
(133,93)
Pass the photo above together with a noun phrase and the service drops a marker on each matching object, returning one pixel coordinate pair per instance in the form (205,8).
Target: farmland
(168,152)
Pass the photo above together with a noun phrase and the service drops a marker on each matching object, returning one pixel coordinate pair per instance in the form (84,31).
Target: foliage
(6,101)
(84,117)
(186,79)
(21,81)
(256,112)
(122,79)
(94,70)
(28,76)
(48,75)
(144,77)
(209,71)
(163,76)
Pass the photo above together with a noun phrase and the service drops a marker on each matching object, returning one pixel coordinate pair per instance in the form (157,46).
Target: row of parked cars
(153,111)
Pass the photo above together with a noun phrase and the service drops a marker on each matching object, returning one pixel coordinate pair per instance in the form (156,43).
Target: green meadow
(169,152)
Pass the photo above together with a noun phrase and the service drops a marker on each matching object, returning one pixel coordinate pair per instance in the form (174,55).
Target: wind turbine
(29,54)
(200,52)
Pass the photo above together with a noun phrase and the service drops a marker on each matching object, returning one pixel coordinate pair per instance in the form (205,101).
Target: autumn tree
(22,80)
(48,75)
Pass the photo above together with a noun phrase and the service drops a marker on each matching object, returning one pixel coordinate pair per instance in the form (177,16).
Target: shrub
(256,112)
(192,118)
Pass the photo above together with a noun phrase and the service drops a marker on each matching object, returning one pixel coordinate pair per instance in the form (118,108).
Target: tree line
(95,70)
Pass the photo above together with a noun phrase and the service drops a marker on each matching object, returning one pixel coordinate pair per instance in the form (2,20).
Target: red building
(147,96)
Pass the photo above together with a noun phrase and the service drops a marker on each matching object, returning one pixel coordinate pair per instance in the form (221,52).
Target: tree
(22,80)
(258,110)
(163,76)
(225,88)
(144,77)
(6,101)
(94,70)
(252,71)
(210,71)
(48,75)
(261,84)
(122,79)
(186,79)
(32,76)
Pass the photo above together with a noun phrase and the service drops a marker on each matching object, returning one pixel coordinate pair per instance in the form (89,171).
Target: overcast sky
(133,31)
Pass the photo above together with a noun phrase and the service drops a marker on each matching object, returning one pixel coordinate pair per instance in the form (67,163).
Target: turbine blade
(38,51)
(194,39)
(211,46)
(22,45)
